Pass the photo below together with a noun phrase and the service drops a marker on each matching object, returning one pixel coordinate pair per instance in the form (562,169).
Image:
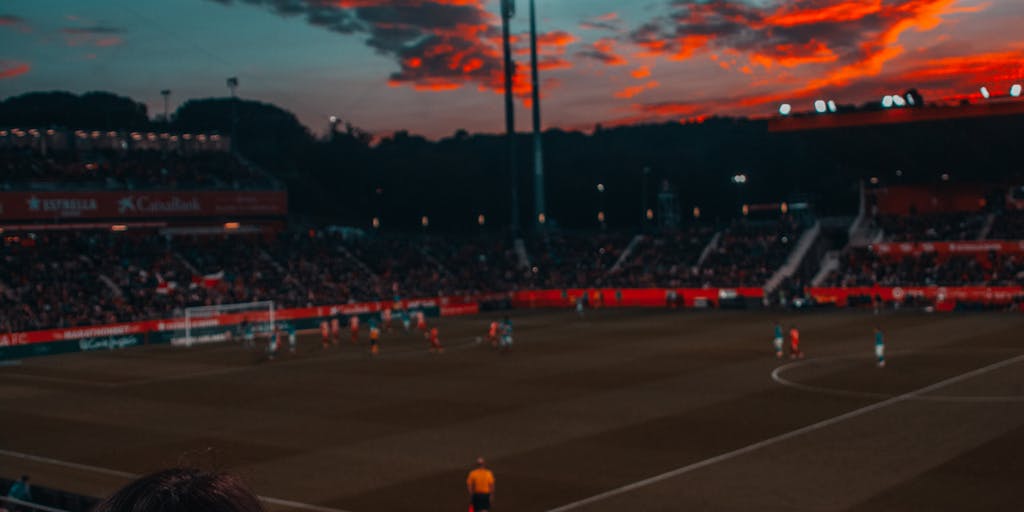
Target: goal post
(211,324)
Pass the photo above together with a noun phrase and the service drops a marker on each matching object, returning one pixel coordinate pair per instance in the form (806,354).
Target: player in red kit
(353,327)
(435,341)
(794,343)
(325,334)
(335,329)
(421,321)
(492,334)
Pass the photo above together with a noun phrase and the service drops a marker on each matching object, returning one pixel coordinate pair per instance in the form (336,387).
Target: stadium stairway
(796,257)
(990,221)
(524,257)
(624,257)
(708,249)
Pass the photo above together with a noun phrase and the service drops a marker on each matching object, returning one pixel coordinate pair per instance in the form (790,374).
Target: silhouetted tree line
(348,177)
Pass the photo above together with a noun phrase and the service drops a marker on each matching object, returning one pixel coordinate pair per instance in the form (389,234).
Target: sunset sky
(434,66)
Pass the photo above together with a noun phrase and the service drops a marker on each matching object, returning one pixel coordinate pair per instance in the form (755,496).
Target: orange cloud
(11,69)
(850,10)
(603,50)
(792,55)
(630,91)
(641,72)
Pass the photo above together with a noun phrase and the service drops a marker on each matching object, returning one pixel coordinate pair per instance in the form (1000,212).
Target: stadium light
(887,101)
(899,173)
(231,225)
(739,179)
(945,176)
(1015,90)
(832,106)
(600,187)
(984,92)
(874,180)
(820,106)
(910,100)
(898,100)
(333,119)
(785,109)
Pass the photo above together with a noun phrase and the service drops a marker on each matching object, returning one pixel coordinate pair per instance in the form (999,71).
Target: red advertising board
(628,297)
(136,204)
(938,294)
(944,248)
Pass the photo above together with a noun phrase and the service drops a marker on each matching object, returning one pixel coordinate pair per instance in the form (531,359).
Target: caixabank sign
(140,205)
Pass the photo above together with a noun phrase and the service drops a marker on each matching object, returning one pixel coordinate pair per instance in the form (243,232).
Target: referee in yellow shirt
(480,484)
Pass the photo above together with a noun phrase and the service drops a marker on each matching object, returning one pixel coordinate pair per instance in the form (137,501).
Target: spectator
(21,490)
(183,490)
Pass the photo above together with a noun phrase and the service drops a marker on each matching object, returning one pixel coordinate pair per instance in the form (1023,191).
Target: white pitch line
(785,436)
(777,377)
(124,474)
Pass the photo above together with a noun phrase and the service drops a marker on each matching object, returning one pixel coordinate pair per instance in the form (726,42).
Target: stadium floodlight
(874,180)
(820,106)
(333,119)
(785,109)
(898,100)
(945,176)
(984,92)
(832,106)
(1015,90)
(887,101)
(899,173)
(739,179)
(600,187)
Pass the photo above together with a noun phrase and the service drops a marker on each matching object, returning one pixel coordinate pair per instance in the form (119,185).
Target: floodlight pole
(507,11)
(538,147)
(166,93)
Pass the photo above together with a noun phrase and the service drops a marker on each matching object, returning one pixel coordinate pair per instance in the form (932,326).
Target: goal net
(225,322)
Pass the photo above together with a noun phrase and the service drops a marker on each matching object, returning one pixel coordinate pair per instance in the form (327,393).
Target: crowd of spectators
(25,168)
(862,267)
(574,260)
(667,258)
(931,227)
(748,253)
(75,278)
(1008,225)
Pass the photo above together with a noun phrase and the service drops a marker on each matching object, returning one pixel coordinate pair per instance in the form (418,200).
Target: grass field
(622,410)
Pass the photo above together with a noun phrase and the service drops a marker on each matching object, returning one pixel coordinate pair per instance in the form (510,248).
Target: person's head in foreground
(183,490)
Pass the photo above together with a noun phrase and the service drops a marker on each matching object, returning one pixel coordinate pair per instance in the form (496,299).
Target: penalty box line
(785,436)
(127,475)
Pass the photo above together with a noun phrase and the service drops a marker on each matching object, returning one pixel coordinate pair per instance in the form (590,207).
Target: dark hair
(183,490)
